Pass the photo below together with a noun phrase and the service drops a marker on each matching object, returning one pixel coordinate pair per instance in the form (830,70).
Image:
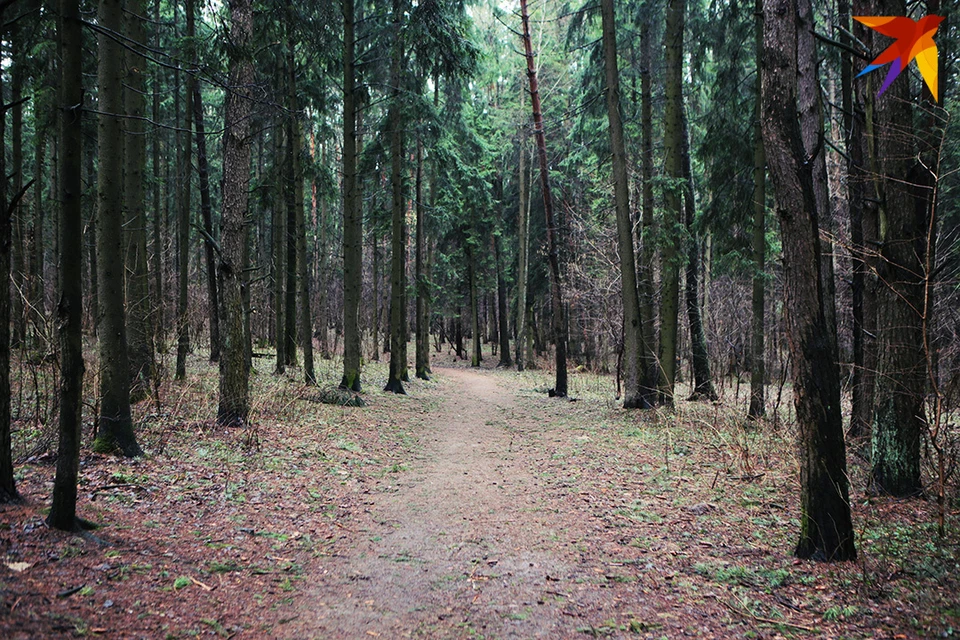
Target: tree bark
(523,223)
(206,214)
(634,396)
(290,312)
(352,218)
(17,310)
(422,349)
(115,422)
(556,297)
(304,319)
(703,380)
(158,211)
(673,165)
(650,365)
(864,237)
(8,486)
(757,407)
(375,308)
(826,530)
(476,355)
(899,420)
(139,307)
(502,322)
(35,289)
(183,214)
(91,238)
(63,510)
(234,404)
(811,127)
(398,246)
(323,302)
(279,247)
(36,295)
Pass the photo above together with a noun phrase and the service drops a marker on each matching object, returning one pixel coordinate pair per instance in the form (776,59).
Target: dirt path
(476,507)
(463,546)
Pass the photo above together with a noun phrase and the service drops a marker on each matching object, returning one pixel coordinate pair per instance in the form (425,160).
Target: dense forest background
(702,199)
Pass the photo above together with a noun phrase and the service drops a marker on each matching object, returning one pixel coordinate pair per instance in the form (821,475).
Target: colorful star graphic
(914,39)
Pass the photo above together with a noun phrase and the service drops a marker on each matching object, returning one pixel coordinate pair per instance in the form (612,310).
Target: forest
(479,318)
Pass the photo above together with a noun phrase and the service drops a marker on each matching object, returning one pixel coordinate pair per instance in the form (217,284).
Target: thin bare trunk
(559,327)
(206,214)
(352,219)
(523,223)
(670,252)
(140,346)
(703,380)
(758,243)
(634,396)
(183,214)
(422,349)
(8,487)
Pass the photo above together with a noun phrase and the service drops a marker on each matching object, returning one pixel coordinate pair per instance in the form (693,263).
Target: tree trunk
(650,365)
(502,322)
(245,298)
(458,335)
(139,307)
(352,218)
(35,290)
(158,211)
(811,127)
(183,214)
(206,214)
(758,244)
(8,487)
(296,204)
(523,224)
(305,320)
(531,357)
(91,239)
(633,395)
(63,510)
(826,531)
(673,165)
(864,236)
(323,303)
(375,308)
(279,249)
(115,423)
(17,310)
(703,380)
(559,329)
(422,349)
(290,236)
(476,355)
(234,404)
(404,285)
(899,421)
(398,246)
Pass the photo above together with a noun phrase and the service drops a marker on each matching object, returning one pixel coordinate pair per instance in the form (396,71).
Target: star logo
(914,40)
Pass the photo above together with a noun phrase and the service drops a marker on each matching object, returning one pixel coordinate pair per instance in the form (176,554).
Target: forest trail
(466,542)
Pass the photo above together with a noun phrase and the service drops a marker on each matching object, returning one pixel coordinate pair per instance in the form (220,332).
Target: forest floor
(474,507)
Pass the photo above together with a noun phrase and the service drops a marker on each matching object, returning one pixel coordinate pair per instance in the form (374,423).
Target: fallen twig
(747,614)
(66,593)
(205,587)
